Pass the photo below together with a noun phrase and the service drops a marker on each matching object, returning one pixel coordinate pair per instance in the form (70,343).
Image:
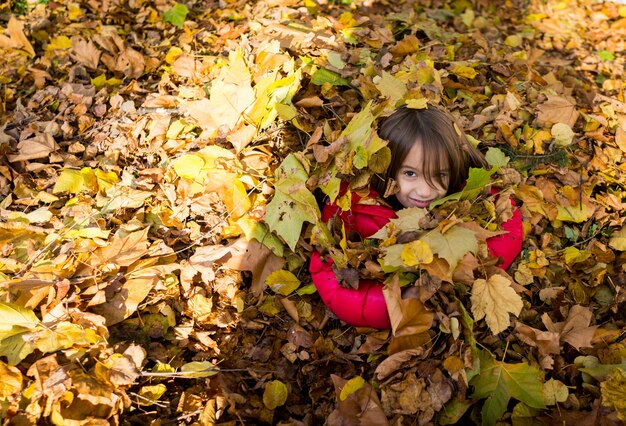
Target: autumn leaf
(408,316)
(275,394)
(416,253)
(283,282)
(15,320)
(476,182)
(498,382)
(176,14)
(293,203)
(613,389)
(494,299)
(451,245)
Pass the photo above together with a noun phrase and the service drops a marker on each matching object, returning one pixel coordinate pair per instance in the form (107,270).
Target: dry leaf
(494,299)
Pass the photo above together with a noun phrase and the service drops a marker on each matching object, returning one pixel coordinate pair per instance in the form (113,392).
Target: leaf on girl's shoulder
(477,181)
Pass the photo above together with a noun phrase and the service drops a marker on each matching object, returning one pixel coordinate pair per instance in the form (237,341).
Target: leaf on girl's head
(421,103)
(494,299)
(391,87)
(176,14)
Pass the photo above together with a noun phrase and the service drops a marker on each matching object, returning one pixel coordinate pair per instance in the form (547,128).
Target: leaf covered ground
(158,181)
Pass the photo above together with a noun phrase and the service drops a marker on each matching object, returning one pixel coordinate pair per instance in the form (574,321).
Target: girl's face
(416,190)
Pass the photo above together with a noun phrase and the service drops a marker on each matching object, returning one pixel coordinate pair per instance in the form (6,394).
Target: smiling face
(417,187)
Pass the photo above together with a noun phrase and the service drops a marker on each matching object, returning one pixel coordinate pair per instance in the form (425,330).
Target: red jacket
(365,306)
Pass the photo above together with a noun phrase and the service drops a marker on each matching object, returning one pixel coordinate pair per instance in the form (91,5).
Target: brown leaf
(575,330)
(557,109)
(85,52)
(123,250)
(254,257)
(16,31)
(408,316)
(361,407)
(396,362)
(41,146)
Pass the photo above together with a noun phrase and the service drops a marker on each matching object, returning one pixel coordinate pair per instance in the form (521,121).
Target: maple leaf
(575,330)
(494,299)
(451,245)
(498,382)
(293,203)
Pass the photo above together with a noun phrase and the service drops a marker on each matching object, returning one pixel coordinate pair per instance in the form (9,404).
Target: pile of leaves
(161,173)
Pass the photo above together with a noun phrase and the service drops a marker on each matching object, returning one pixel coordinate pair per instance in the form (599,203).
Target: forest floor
(141,281)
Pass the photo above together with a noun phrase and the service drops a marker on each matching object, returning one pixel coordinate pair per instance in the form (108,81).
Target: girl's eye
(409,173)
(443,175)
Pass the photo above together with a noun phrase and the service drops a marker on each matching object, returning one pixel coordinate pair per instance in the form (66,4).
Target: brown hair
(443,142)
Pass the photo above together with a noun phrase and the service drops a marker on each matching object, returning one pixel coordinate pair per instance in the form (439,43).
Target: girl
(431,158)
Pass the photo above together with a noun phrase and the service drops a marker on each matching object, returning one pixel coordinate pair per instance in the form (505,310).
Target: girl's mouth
(422,204)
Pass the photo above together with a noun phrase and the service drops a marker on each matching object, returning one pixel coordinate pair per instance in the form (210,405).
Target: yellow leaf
(200,307)
(151,393)
(15,320)
(173,54)
(199,369)
(513,40)
(465,71)
(613,390)
(11,382)
(188,166)
(577,214)
(415,253)
(282,282)
(74,11)
(76,181)
(351,386)
(275,394)
(421,103)
(494,299)
(391,87)
(59,43)
(562,134)
(573,255)
(554,391)
(618,239)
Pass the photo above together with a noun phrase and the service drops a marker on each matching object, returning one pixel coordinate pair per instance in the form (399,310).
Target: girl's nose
(423,189)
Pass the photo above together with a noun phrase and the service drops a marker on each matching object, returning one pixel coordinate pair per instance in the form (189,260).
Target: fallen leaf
(494,299)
